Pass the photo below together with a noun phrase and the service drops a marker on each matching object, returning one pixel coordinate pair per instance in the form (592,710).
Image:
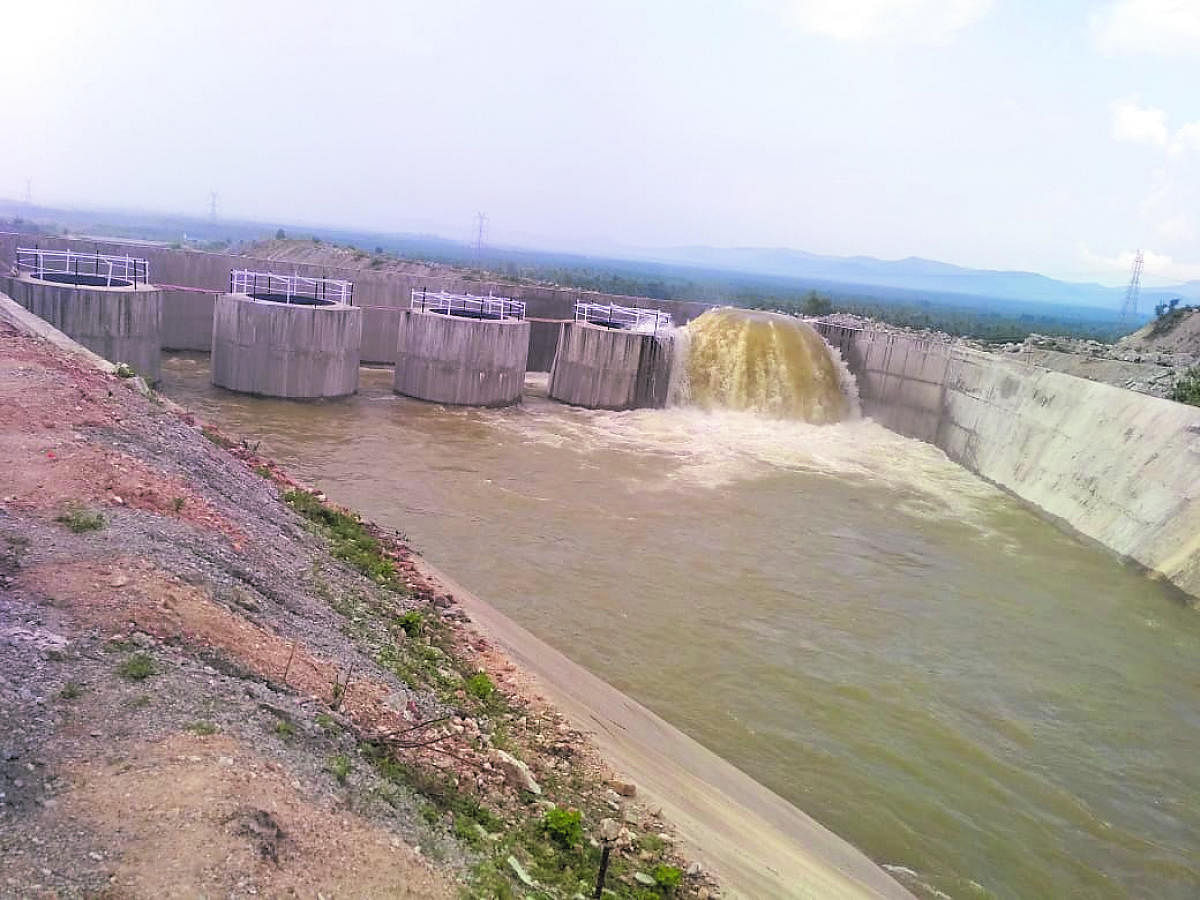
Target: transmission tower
(480,229)
(1130,306)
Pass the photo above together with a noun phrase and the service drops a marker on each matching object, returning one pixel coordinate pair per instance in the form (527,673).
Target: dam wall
(187,320)
(1116,466)
(120,324)
(379,292)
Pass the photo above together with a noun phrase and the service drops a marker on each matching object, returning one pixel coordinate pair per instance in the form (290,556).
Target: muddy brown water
(980,702)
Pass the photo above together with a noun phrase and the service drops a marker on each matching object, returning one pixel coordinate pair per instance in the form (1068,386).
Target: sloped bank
(1118,467)
(287,641)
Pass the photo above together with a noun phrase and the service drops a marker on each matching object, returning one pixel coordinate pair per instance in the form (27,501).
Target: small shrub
(124,370)
(178,503)
(138,667)
(564,826)
(668,878)
(284,728)
(410,623)
(339,766)
(203,728)
(1187,388)
(70,691)
(80,520)
(326,723)
(263,471)
(480,686)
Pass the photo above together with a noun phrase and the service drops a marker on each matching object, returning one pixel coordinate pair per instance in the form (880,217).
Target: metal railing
(291,288)
(71,267)
(467,305)
(628,318)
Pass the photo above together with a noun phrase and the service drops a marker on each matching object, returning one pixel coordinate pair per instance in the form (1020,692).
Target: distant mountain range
(916,274)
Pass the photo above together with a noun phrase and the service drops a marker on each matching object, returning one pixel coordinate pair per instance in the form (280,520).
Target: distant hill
(914,274)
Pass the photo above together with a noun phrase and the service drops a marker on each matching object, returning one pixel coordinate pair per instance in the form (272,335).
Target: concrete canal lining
(121,324)
(1116,466)
(460,360)
(295,351)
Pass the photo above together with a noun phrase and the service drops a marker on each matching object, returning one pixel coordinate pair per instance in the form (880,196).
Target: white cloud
(1186,138)
(1139,124)
(914,21)
(1148,26)
(1160,268)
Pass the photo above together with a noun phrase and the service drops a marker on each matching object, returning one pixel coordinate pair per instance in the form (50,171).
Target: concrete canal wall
(1116,466)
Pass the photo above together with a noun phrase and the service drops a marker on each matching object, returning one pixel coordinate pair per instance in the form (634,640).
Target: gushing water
(761,362)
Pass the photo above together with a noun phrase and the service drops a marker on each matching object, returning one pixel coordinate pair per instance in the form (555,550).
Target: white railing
(468,305)
(629,318)
(83,268)
(291,288)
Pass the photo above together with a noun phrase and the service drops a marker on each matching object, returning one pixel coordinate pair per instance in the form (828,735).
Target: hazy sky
(1052,135)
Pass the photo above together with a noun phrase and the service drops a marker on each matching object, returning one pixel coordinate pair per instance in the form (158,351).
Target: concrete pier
(296,351)
(610,368)
(460,360)
(121,324)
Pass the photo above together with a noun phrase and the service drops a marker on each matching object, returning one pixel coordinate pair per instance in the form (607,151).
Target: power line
(1130,306)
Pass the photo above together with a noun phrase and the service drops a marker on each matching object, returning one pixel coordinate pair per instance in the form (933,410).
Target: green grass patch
(1187,388)
(217,438)
(263,471)
(350,541)
(285,729)
(78,519)
(564,826)
(410,623)
(203,728)
(667,878)
(339,766)
(327,724)
(138,667)
(480,686)
(71,690)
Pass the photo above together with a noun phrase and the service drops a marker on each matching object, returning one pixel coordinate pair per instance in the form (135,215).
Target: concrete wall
(389,289)
(187,320)
(281,350)
(606,368)
(123,325)
(1117,466)
(460,361)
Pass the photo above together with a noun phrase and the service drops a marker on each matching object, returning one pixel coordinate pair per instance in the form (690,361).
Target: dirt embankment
(213,683)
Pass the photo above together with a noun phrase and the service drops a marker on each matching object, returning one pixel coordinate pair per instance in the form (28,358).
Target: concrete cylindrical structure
(461,360)
(122,324)
(610,368)
(290,350)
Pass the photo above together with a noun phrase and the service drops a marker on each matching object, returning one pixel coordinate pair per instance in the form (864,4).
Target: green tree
(816,305)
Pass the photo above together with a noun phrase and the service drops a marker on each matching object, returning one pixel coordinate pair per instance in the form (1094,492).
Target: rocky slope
(214,683)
